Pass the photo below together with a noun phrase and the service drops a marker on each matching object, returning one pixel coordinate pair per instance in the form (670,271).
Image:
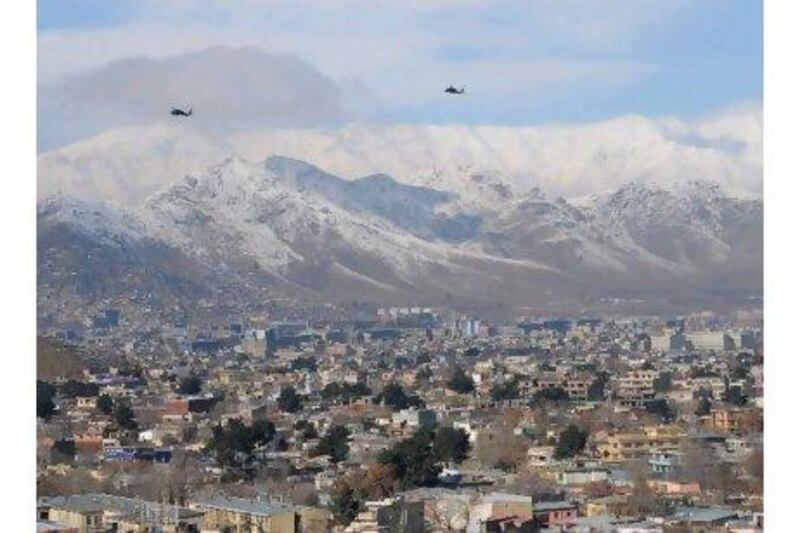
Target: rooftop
(256,506)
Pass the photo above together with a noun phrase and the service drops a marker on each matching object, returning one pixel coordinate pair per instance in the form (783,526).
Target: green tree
(63,451)
(460,382)
(553,394)
(413,460)
(663,382)
(451,445)
(734,396)
(571,442)
(263,431)
(597,390)
(332,392)
(44,399)
(703,406)
(306,429)
(344,503)
(234,443)
(661,408)
(505,391)
(289,401)
(190,385)
(105,404)
(334,444)
(74,389)
(396,398)
(304,363)
(124,416)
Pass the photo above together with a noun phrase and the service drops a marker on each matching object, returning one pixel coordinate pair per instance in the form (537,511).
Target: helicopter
(178,112)
(453,90)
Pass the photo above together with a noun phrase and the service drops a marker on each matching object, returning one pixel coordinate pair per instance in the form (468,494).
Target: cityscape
(404,419)
(362,267)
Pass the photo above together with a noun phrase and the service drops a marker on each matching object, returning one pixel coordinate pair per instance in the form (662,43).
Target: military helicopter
(178,112)
(453,90)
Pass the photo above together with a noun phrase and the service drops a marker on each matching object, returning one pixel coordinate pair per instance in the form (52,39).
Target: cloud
(568,159)
(401,52)
(564,159)
(228,88)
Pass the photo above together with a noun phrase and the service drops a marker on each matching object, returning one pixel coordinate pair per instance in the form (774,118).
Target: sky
(522,63)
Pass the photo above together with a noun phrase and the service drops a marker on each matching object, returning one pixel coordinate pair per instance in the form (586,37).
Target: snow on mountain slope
(287,222)
(567,160)
(127,165)
(487,166)
(308,228)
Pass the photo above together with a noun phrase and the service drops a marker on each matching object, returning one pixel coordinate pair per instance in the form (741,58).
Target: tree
(396,398)
(289,401)
(124,416)
(332,392)
(105,404)
(661,408)
(754,466)
(571,442)
(553,394)
(642,501)
(344,392)
(472,352)
(505,391)
(597,390)
(703,406)
(190,385)
(413,460)
(500,448)
(44,399)
(663,382)
(234,443)
(377,483)
(304,363)
(63,451)
(263,431)
(344,503)
(334,444)
(423,376)
(451,445)
(74,389)
(306,429)
(460,382)
(734,396)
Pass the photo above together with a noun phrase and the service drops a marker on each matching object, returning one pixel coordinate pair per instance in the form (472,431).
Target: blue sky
(522,62)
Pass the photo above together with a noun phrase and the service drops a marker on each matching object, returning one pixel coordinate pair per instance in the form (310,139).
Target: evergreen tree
(571,442)
(460,382)
(289,401)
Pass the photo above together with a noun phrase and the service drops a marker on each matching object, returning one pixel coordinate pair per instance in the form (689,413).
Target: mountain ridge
(287,224)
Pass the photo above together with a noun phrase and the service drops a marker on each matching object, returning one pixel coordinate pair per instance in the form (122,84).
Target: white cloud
(399,53)
(569,160)
(227,87)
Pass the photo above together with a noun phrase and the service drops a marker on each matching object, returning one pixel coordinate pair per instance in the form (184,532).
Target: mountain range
(283,226)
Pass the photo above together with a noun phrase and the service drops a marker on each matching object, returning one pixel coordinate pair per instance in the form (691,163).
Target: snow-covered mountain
(287,224)
(483,164)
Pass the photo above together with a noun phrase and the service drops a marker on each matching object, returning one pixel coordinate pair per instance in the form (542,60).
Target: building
(391,514)
(414,418)
(500,506)
(95,513)
(555,514)
(241,515)
(664,462)
(581,476)
(614,505)
(633,444)
(635,387)
(734,419)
